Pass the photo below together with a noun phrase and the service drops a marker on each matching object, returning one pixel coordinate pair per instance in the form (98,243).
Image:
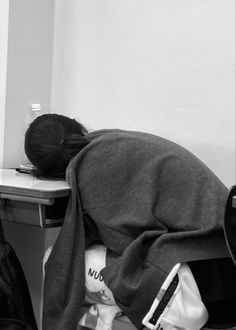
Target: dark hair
(51,141)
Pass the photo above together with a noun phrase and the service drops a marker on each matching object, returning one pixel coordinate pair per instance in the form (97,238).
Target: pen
(23,170)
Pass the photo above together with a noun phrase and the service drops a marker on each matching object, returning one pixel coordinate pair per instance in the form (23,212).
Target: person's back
(140,173)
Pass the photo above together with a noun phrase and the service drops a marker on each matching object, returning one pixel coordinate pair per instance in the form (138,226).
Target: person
(152,203)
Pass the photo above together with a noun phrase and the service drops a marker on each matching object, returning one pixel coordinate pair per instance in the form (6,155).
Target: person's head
(51,141)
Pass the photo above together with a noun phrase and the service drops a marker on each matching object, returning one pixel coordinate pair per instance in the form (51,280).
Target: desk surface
(13,182)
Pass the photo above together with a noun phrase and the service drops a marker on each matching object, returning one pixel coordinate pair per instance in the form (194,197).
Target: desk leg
(30,244)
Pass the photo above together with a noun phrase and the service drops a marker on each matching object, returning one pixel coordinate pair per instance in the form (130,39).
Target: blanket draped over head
(151,202)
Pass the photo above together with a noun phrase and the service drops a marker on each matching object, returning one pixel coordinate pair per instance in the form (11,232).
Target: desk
(33,211)
(32,201)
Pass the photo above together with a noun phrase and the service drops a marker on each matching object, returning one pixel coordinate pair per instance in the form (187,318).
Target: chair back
(230,223)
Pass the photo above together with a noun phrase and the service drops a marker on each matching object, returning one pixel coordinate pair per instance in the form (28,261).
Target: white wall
(164,66)
(29,70)
(4,10)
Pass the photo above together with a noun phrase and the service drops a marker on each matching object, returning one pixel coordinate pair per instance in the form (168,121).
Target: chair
(230,223)
(230,237)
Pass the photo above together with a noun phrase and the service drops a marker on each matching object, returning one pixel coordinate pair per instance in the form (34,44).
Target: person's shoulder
(112,138)
(117,132)
(105,133)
